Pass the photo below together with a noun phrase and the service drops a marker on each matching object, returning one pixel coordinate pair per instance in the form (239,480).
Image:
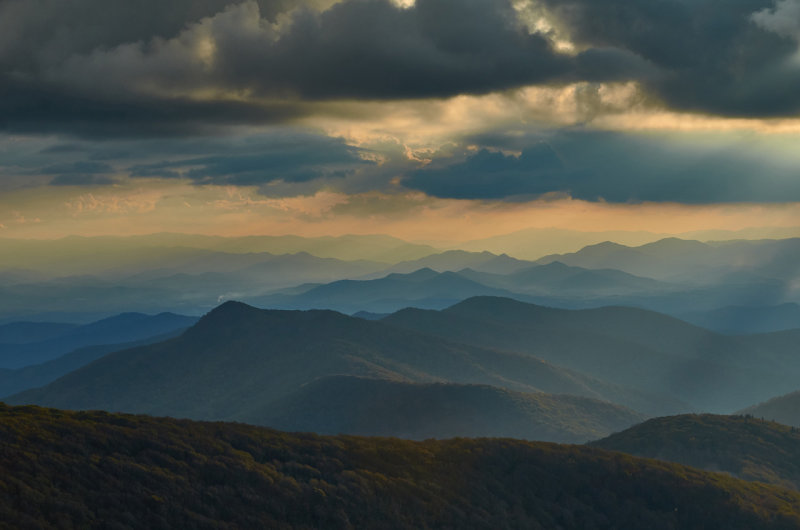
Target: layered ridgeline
(673,258)
(627,346)
(745,447)
(424,288)
(729,286)
(16,380)
(29,343)
(64,469)
(783,409)
(245,364)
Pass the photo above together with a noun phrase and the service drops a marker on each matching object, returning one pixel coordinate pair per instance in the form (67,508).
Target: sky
(430,120)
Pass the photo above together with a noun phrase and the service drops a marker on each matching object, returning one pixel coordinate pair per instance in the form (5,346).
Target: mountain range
(56,340)
(627,346)
(728,286)
(246,364)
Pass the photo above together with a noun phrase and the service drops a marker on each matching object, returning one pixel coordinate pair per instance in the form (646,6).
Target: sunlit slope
(743,446)
(784,409)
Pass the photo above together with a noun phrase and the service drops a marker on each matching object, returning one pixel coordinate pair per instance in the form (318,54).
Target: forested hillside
(99,470)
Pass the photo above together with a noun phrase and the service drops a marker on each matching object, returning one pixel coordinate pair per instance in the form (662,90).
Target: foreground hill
(627,346)
(357,405)
(238,360)
(743,446)
(783,409)
(64,469)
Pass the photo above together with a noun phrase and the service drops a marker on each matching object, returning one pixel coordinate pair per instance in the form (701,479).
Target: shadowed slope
(354,405)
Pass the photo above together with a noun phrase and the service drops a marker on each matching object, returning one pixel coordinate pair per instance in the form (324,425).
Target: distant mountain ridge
(425,288)
(126,327)
(673,258)
(34,376)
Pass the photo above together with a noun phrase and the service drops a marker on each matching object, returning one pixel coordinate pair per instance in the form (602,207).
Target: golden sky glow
(262,119)
(235,211)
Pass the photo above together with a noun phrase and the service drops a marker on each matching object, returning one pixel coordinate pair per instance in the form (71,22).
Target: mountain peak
(494,303)
(424,273)
(227,312)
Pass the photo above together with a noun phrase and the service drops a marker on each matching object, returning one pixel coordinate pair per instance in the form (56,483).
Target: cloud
(290,157)
(783,19)
(493,175)
(76,179)
(252,62)
(726,58)
(101,68)
(613,167)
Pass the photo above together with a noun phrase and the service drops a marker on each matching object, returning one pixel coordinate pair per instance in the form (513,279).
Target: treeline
(98,470)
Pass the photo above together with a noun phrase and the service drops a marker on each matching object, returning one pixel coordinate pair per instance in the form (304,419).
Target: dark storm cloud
(722,57)
(371,49)
(493,175)
(612,167)
(114,67)
(293,158)
(76,179)
(81,66)
(29,107)
(78,173)
(49,31)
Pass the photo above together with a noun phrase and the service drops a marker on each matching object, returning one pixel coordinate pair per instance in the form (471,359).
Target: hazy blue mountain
(691,261)
(194,281)
(237,360)
(379,407)
(94,255)
(627,346)
(745,447)
(455,260)
(26,332)
(366,315)
(783,409)
(14,381)
(747,319)
(126,327)
(422,288)
(558,279)
(94,469)
(533,243)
